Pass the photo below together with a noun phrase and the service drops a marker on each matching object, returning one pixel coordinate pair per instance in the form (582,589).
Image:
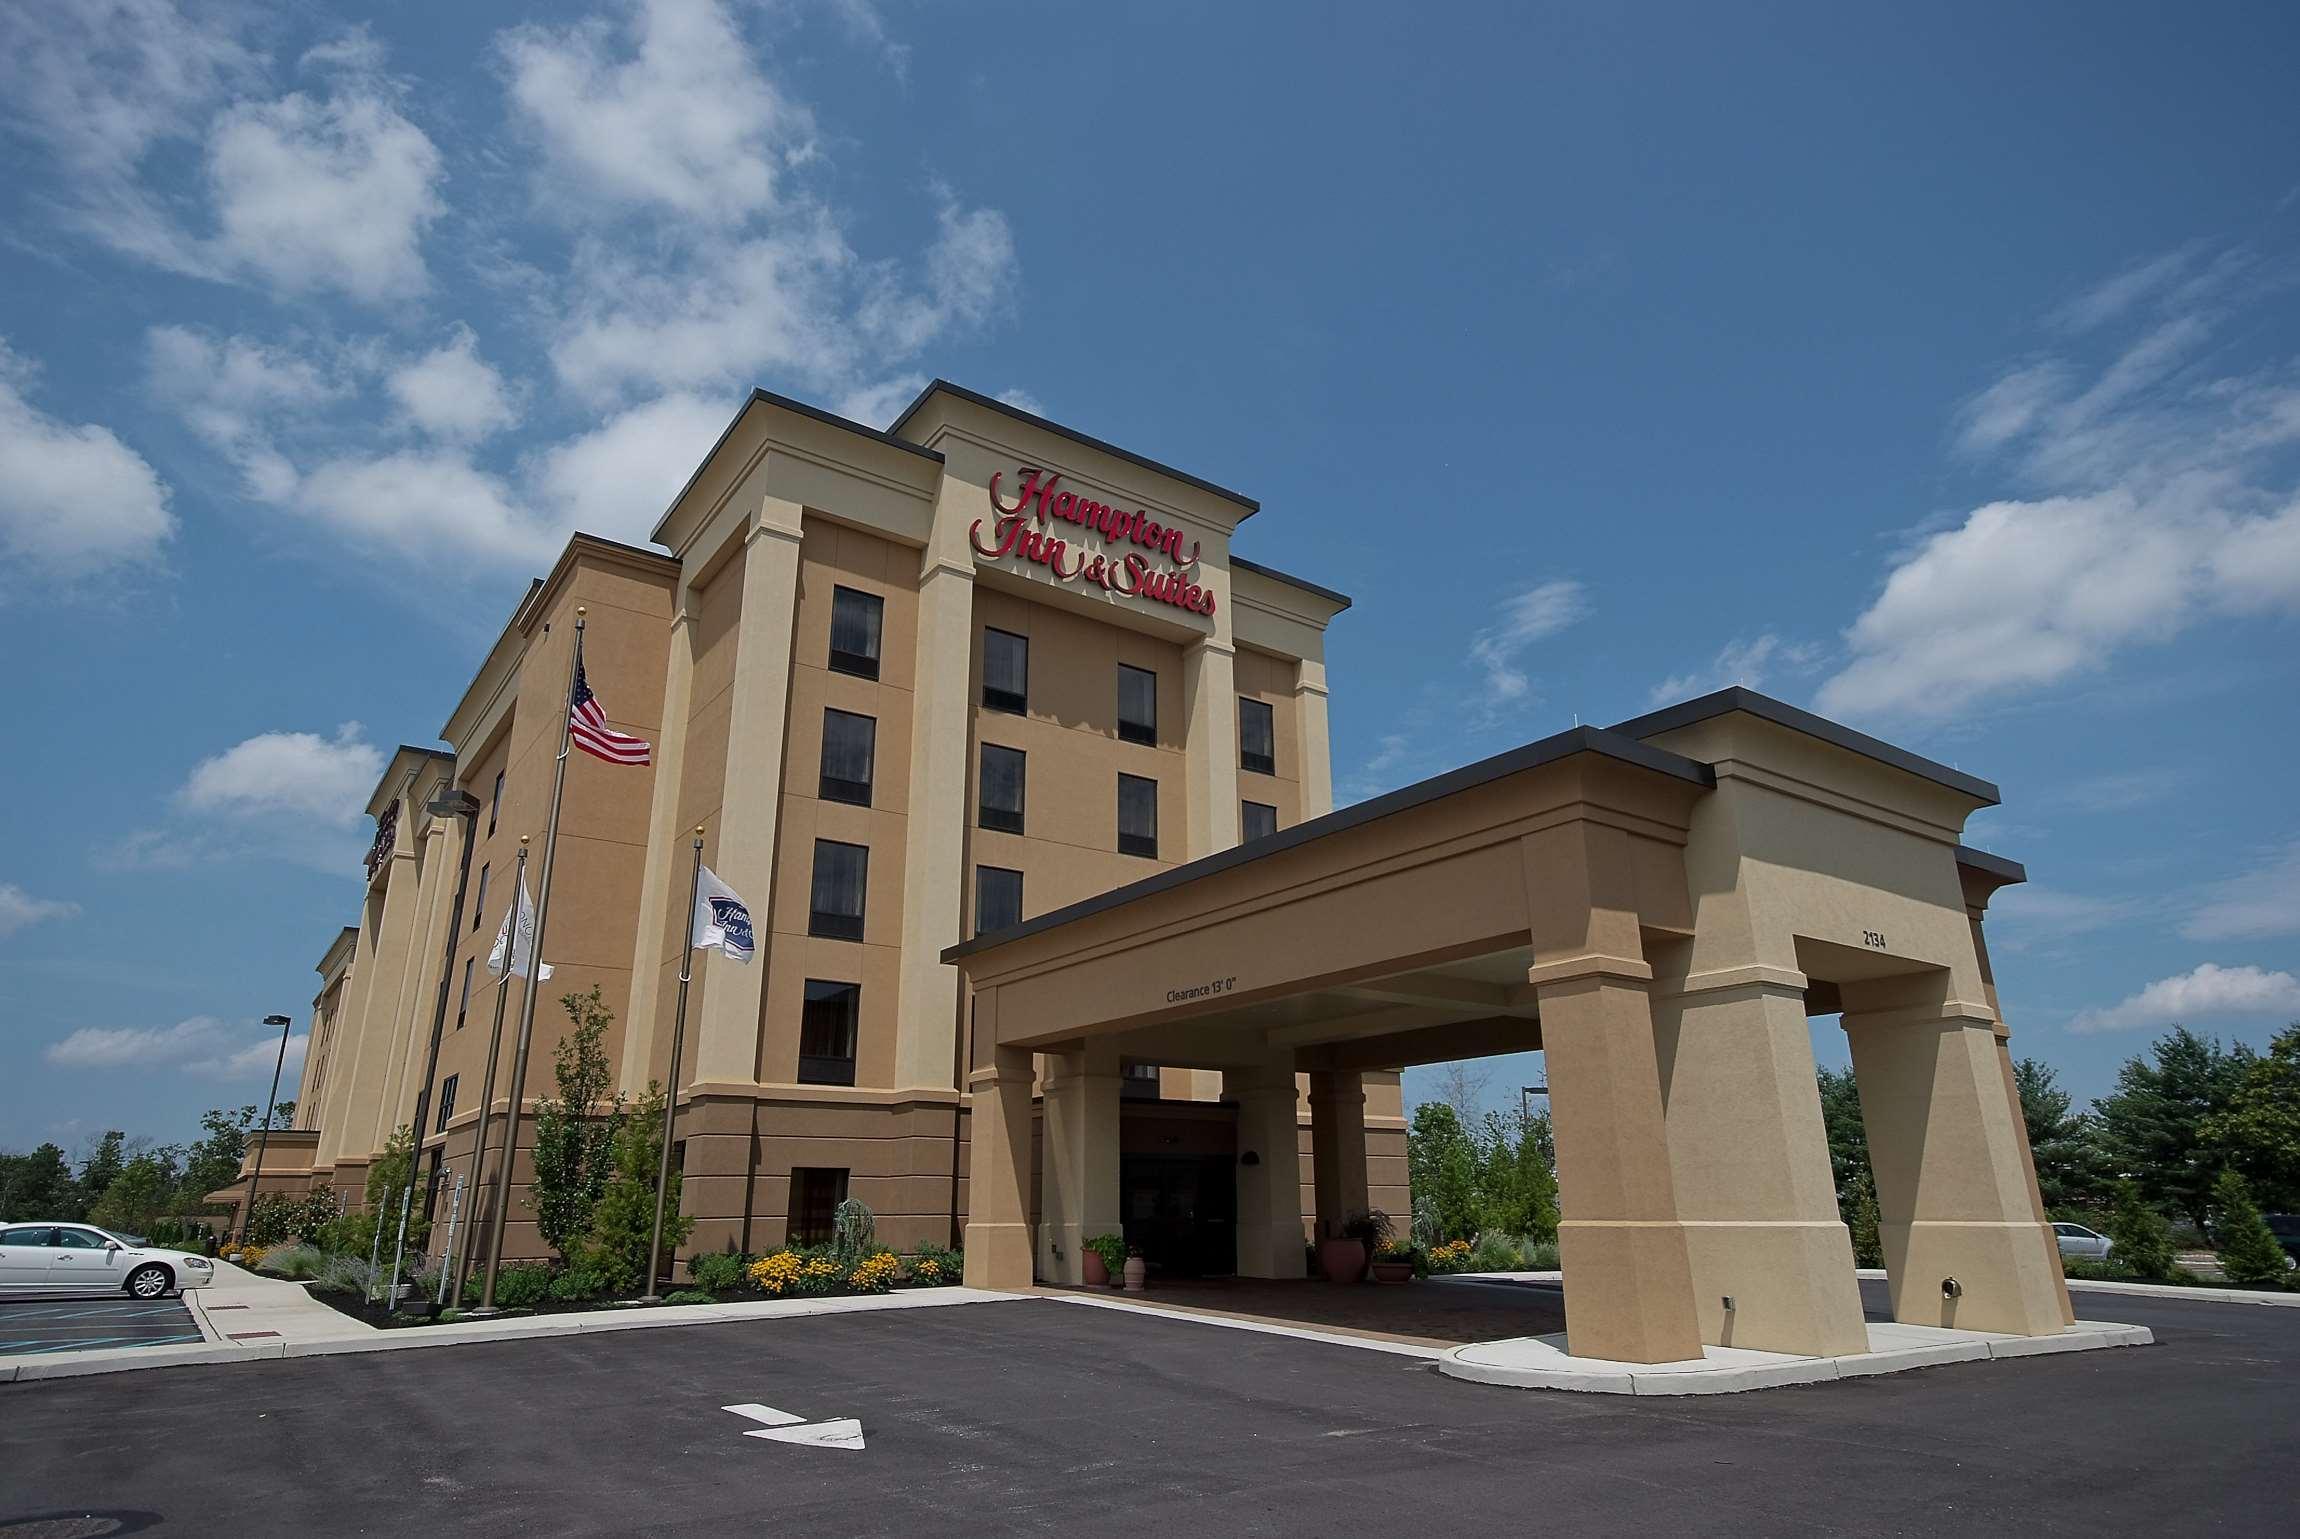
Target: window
(815,1197)
(850,742)
(1005,672)
(1137,705)
(997,899)
(1148,1071)
(856,620)
(827,1033)
(495,804)
(479,899)
(446,1101)
(1002,776)
(1137,816)
(76,1239)
(463,1005)
(36,1235)
(1257,737)
(842,876)
(1257,820)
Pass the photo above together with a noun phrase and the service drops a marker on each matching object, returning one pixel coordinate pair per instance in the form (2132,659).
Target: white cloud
(2117,791)
(2028,915)
(235,392)
(1022,400)
(617,479)
(298,773)
(1540,611)
(451,392)
(877,405)
(1745,663)
(74,500)
(201,1045)
(19,908)
(2162,500)
(970,269)
(2261,902)
(664,108)
(2209,990)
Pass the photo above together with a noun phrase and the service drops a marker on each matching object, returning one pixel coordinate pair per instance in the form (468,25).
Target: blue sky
(1940,371)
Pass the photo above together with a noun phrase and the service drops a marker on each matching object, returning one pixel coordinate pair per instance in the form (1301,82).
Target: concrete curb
(66,1365)
(1260,1327)
(1877,1274)
(1535,1363)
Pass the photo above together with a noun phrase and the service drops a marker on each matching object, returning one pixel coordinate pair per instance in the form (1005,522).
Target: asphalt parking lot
(69,1324)
(1043,1416)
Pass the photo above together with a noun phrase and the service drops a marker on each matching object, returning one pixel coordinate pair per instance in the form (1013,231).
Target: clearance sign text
(1038,501)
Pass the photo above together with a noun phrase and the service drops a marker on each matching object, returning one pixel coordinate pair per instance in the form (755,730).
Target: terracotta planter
(1393,1271)
(1343,1261)
(1097,1275)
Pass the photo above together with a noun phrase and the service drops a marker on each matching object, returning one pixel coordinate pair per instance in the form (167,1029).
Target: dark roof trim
(1685,714)
(428,753)
(945,387)
(1303,583)
(759,397)
(1533,755)
(2006,871)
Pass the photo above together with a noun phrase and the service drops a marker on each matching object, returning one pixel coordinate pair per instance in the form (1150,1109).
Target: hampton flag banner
(722,920)
(510,957)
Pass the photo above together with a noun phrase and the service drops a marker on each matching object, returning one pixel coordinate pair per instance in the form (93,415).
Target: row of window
(858,621)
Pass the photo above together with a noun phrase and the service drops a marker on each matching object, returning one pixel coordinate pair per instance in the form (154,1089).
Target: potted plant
(1342,1256)
(1105,1258)
(1394,1261)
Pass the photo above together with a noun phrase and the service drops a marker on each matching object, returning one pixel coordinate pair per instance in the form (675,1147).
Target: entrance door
(1182,1212)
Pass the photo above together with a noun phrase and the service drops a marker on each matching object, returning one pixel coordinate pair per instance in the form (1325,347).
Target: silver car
(80,1258)
(2076,1240)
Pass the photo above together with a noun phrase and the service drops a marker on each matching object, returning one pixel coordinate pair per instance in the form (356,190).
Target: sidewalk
(247,1318)
(2075,1285)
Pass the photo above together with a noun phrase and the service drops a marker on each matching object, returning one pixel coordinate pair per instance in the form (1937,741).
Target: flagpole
(487,1085)
(534,964)
(671,1095)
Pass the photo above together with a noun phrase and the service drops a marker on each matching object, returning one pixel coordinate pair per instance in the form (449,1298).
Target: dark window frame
(1144,845)
(495,804)
(1246,835)
(1005,820)
(980,873)
(830,923)
(479,899)
(1144,733)
(1261,763)
(811,1223)
(447,1088)
(818,1068)
(463,1005)
(834,788)
(997,698)
(860,665)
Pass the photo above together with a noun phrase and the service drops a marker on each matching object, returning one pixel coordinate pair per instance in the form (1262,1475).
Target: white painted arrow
(783,1427)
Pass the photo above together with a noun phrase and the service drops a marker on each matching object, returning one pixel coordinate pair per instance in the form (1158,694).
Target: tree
(622,1227)
(2258,1131)
(99,1168)
(1462,1085)
(2248,1249)
(1517,1187)
(213,1162)
(144,1189)
(38,1185)
(387,1178)
(1864,1222)
(2152,1126)
(2140,1240)
(573,1149)
(1441,1165)
(1848,1136)
(2064,1143)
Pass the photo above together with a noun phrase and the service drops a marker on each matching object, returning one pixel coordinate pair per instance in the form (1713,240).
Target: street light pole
(264,1138)
(1525,1095)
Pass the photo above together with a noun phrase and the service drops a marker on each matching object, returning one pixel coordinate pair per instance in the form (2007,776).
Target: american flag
(587,728)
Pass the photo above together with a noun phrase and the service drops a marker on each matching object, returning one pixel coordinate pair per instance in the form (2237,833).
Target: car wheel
(150,1282)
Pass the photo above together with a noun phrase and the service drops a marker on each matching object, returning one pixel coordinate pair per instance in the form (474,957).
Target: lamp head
(275,1020)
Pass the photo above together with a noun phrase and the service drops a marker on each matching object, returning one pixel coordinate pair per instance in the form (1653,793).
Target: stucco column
(1975,905)
(418,996)
(1750,1164)
(1311,732)
(727,1033)
(656,939)
(370,1079)
(1081,1145)
(934,838)
(1628,1278)
(1337,1148)
(1954,1196)
(998,1248)
(1270,1237)
(1210,701)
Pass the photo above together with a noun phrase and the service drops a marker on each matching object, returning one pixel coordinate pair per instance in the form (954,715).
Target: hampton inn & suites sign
(1156,569)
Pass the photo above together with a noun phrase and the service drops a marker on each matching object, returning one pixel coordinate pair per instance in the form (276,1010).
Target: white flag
(722,920)
(518,952)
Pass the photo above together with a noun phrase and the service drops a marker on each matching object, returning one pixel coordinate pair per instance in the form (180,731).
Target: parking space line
(34,1348)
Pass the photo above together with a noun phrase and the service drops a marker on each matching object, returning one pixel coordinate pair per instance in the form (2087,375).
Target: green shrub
(934,1267)
(623,1222)
(854,1233)
(2249,1253)
(2140,1240)
(277,1216)
(294,1262)
(689,1296)
(1496,1253)
(1541,1257)
(716,1271)
(342,1274)
(521,1287)
(576,1285)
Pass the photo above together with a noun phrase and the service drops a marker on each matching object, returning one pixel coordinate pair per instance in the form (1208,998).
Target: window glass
(463,1006)
(1257,820)
(479,902)
(76,1239)
(850,743)
(1257,737)
(827,1024)
(1137,704)
(36,1234)
(997,899)
(495,803)
(1137,816)
(815,1197)
(447,1088)
(1005,671)
(842,873)
(1002,786)
(856,620)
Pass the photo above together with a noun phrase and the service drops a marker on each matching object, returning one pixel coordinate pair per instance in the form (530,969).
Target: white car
(80,1258)
(2076,1240)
